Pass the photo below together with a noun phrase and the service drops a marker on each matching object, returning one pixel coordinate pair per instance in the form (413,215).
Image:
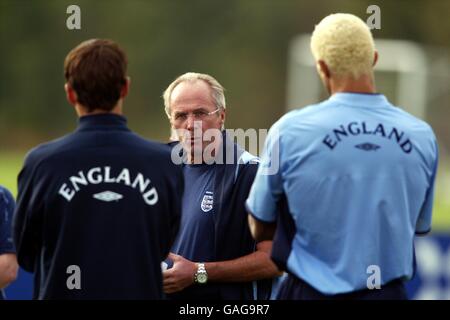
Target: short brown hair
(96,70)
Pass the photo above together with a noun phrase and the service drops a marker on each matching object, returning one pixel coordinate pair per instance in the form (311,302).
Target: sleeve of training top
(7,206)
(267,186)
(27,221)
(176,206)
(423,224)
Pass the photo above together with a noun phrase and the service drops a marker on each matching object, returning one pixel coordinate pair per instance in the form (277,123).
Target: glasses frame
(207,114)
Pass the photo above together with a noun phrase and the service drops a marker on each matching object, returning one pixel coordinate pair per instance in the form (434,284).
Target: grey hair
(216,88)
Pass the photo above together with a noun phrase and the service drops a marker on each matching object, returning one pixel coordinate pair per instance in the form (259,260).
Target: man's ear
(125,88)
(223,114)
(375,58)
(323,69)
(71,95)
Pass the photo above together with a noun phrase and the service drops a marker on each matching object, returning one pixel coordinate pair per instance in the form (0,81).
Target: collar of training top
(359,99)
(104,121)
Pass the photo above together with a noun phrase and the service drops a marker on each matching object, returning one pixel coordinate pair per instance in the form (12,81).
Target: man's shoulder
(413,121)
(7,204)
(131,143)
(46,150)
(246,158)
(146,145)
(5,196)
(246,169)
(300,114)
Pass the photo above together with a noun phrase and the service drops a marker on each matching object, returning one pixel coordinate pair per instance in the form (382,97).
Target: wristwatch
(201,276)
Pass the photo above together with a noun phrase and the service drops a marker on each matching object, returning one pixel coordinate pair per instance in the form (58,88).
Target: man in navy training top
(358,174)
(8,260)
(98,209)
(214,256)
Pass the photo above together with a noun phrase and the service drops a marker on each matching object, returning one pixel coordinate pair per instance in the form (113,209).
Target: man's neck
(208,155)
(201,158)
(364,84)
(83,111)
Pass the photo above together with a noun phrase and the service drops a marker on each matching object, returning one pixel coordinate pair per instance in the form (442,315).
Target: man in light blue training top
(358,175)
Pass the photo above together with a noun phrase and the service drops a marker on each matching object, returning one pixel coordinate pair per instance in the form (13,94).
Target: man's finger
(167,273)
(171,289)
(173,256)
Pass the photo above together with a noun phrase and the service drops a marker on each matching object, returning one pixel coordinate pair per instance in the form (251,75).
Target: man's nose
(190,122)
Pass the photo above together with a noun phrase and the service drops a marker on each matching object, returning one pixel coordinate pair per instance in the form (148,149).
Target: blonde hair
(344,42)
(216,88)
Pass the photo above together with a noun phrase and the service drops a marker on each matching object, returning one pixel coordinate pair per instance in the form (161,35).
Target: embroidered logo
(368,146)
(108,196)
(207,202)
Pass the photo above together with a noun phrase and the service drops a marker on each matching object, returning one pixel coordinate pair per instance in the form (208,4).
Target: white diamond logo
(108,196)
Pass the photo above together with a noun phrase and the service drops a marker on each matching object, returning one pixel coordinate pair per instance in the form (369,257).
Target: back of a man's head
(344,42)
(96,70)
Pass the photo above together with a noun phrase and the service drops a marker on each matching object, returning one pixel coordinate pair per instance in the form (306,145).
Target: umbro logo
(108,196)
(368,146)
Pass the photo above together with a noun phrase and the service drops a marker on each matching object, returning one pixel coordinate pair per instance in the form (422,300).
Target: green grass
(11,163)
(441,218)
(441,212)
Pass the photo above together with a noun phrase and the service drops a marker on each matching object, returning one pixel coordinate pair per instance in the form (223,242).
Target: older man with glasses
(214,256)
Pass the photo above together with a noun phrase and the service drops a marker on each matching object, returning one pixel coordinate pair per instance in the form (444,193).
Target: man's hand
(180,276)
(8,269)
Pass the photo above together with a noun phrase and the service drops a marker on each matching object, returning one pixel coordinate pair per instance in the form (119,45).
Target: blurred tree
(242,43)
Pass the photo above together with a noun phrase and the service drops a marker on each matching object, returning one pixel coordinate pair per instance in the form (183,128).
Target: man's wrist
(201,275)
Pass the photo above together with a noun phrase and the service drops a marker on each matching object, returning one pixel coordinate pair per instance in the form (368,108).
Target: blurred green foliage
(243,43)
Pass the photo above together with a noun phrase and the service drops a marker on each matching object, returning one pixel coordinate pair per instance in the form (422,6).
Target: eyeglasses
(199,115)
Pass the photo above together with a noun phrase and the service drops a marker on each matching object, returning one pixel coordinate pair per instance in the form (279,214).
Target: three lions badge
(207,201)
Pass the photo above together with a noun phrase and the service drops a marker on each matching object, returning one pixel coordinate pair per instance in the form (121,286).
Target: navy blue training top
(195,239)
(214,223)
(97,212)
(6,212)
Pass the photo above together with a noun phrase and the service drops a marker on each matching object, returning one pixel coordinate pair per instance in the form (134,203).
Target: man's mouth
(195,139)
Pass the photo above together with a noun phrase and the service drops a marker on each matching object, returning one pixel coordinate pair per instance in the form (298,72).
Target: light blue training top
(358,174)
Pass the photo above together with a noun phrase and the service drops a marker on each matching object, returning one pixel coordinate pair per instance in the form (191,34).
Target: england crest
(207,202)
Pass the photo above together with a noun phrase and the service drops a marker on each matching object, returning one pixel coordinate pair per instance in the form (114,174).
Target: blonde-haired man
(358,174)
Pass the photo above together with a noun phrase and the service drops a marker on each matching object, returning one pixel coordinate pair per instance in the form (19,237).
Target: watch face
(202,278)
